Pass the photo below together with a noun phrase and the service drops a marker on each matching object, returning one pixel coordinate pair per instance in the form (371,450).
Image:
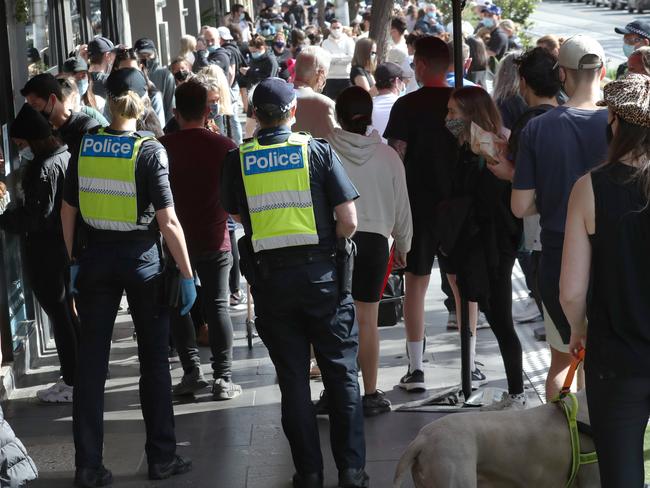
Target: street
(566,19)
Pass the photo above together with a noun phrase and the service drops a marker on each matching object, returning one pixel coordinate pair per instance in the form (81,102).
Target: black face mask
(609,133)
(182,75)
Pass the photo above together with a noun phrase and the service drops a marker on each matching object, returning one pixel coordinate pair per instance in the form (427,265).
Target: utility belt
(260,266)
(95,236)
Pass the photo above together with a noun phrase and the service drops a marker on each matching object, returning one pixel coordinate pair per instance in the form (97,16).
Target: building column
(193,17)
(145,19)
(173,13)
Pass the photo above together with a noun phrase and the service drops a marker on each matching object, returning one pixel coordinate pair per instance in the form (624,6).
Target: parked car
(638,5)
(618,4)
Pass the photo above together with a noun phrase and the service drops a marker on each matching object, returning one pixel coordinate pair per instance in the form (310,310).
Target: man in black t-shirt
(498,43)
(416,130)
(43,92)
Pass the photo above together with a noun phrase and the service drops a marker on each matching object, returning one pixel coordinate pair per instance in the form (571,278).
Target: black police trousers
(106,270)
(301,305)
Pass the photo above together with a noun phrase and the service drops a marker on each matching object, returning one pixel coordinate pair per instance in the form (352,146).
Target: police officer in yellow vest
(119,187)
(285,188)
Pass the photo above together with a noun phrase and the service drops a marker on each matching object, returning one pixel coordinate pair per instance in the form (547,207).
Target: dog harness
(578,458)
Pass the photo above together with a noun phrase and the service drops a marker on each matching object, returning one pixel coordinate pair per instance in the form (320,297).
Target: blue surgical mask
(628,50)
(26,153)
(212,49)
(83,86)
(214,110)
(431,15)
(242,17)
(488,22)
(256,55)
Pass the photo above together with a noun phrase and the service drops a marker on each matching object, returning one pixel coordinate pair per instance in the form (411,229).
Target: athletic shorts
(370,266)
(420,258)
(549,288)
(553,338)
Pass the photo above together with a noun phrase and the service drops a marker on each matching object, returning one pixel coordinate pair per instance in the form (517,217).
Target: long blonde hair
(188,46)
(216,80)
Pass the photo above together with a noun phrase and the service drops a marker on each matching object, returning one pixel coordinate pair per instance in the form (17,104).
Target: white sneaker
(482,322)
(527,312)
(59,392)
(508,402)
(452,322)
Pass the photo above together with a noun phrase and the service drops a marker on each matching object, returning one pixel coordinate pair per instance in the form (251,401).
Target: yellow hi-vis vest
(107,189)
(276,181)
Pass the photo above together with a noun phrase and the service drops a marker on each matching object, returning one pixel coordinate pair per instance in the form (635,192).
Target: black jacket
(266,66)
(164,81)
(39,215)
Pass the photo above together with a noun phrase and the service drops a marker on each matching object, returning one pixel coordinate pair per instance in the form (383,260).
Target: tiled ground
(240,443)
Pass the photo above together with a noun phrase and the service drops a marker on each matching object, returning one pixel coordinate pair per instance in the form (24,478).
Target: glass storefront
(39,54)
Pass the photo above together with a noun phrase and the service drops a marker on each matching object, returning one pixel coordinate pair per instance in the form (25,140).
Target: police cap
(274,96)
(125,79)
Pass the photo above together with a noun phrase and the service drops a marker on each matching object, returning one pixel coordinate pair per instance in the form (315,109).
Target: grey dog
(510,449)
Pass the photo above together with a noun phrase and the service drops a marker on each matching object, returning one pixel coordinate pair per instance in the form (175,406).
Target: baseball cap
(123,80)
(74,65)
(144,45)
(629,97)
(387,72)
(100,45)
(224,33)
(492,9)
(30,124)
(483,3)
(273,96)
(577,52)
(638,27)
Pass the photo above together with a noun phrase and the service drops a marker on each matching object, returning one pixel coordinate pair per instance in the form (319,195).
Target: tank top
(618,309)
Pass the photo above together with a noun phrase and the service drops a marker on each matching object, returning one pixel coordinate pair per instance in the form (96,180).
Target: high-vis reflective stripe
(278,191)
(107,188)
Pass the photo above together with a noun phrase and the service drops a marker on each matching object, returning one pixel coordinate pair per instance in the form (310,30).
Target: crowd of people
(522,163)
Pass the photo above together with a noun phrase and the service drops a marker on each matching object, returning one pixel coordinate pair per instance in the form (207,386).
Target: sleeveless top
(618,308)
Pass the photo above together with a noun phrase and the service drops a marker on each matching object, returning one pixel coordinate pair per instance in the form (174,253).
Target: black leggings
(235,278)
(499,314)
(619,409)
(48,278)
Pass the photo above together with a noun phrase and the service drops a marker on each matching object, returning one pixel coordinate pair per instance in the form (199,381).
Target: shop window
(96,17)
(76,20)
(39,52)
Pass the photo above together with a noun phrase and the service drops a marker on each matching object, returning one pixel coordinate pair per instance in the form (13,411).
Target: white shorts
(553,337)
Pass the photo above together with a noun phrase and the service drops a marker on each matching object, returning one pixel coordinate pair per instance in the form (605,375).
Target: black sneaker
(311,480)
(92,477)
(322,405)
(353,478)
(478,379)
(375,404)
(413,381)
(162,471)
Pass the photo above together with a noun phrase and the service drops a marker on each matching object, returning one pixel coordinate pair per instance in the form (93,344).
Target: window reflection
(96,16)
(75,18)
(38,38)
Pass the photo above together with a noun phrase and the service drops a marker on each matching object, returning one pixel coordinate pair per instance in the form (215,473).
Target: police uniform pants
(295,307)
(105,271)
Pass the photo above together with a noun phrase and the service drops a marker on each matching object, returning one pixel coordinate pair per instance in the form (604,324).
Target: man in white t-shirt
(341,48)
(389,83)
(397,51)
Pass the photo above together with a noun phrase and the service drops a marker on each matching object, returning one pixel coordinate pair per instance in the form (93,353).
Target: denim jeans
(106,270)
(213,271)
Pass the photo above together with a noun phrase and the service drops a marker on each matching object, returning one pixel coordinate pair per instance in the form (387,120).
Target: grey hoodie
(378,173)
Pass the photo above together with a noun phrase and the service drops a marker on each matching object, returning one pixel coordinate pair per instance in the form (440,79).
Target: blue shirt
(451,80)
(330,185)
(555,149)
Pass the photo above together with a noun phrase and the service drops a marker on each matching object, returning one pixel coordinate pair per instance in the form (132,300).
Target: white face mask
(336,33)
(26,153)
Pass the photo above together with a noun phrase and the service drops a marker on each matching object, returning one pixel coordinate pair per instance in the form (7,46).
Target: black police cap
(125,79)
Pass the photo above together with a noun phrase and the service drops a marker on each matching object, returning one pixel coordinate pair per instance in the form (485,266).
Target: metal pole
(457,20)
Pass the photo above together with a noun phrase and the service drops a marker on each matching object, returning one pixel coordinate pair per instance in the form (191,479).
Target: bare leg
(415,291)
(560,362)
(473,306)
(368,344)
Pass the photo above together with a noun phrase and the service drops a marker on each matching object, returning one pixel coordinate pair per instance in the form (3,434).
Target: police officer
(284,188)
(119,186)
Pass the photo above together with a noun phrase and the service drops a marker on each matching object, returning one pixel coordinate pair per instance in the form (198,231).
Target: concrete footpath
(240,443)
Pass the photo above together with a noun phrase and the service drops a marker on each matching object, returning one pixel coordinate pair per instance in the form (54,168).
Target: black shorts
(548,278)
(370,265)
(420,258)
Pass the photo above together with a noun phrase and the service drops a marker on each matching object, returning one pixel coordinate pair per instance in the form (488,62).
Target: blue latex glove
(188,295)
(74,271)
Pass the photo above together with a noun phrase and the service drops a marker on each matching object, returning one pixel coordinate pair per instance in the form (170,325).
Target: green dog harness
(577,458)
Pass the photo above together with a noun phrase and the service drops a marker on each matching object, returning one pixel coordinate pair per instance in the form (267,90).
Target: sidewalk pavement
(239,443)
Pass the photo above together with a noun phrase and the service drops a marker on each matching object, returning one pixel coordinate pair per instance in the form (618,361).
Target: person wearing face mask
(283,55)
(76,67)
(101,54)
(241,19)
(181,69)
(635,35)
(43,92)
(266,30)
(390,86)
(315,113)
(555,149)
(196,157)
(38,219)
(341,49)
(479,238)
(159,75)
(497,45)
(428,20)
(72,101)
(262,65)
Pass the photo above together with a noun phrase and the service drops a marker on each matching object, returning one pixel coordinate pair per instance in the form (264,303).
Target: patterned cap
(629,97)
(638,27)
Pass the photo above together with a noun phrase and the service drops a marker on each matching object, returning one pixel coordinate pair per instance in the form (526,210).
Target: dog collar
(578,458)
